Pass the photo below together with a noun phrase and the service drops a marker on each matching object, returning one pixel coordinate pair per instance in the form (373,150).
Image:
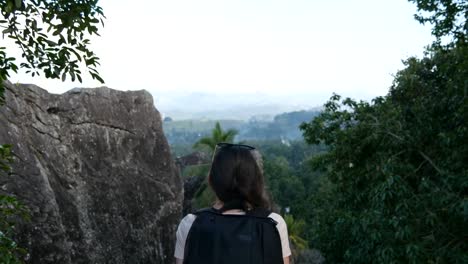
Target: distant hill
(239,106)
(182,132)
(284,126)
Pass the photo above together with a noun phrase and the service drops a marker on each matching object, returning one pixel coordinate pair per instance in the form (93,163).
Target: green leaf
(7,30)
(51,43)
(97,77)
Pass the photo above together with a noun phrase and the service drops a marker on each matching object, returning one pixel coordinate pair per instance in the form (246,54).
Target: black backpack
(215,238)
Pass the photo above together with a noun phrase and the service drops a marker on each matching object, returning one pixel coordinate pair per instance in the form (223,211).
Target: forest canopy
(396,182)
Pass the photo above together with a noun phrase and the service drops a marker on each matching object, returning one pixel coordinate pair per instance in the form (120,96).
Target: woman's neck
(219,204)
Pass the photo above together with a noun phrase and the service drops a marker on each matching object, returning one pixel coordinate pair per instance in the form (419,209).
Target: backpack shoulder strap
(257,212)
(262,213)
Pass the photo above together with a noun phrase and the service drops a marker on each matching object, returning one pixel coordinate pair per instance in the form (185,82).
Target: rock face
(192,183)
(195,158)
(95,170)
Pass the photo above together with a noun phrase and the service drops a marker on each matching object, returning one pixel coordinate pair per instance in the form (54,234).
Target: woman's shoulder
(280,223)
(188,218)
(278,218)
(186,222)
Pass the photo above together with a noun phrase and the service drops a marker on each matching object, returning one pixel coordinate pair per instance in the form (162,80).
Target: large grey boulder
(95,170)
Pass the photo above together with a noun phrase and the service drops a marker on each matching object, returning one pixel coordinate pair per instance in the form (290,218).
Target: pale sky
(297,51)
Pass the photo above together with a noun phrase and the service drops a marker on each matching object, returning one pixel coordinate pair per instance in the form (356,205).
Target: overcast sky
(295,51)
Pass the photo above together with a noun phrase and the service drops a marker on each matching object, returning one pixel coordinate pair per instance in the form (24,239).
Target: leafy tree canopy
(52,35)
(397,176)
(396,172)
(449,17)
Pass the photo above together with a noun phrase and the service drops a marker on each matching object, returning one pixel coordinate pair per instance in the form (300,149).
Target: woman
(237,180)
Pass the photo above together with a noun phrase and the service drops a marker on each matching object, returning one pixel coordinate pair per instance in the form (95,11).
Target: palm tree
(295,230)
(204,197)
(217,136)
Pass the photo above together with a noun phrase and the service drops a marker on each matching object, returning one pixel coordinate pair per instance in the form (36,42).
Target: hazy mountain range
(180,106)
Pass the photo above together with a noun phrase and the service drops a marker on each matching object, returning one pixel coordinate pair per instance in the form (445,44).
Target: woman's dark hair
(237,179)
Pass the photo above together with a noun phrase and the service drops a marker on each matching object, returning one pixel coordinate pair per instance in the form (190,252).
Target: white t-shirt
(187,221)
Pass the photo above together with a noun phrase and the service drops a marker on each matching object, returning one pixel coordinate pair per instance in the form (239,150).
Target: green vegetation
(290,181)
(10,211)
(396,182)
(447,16)
(181,134)
(388,181)
(295,231)
(10,208)
(52,36)
(217,135)
(283,126)
(385,181)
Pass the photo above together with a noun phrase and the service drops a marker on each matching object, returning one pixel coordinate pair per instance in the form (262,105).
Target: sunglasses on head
(230,145)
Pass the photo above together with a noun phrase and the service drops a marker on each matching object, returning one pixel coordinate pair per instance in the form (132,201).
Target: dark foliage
(52,36)
(397,178)
(448,17)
